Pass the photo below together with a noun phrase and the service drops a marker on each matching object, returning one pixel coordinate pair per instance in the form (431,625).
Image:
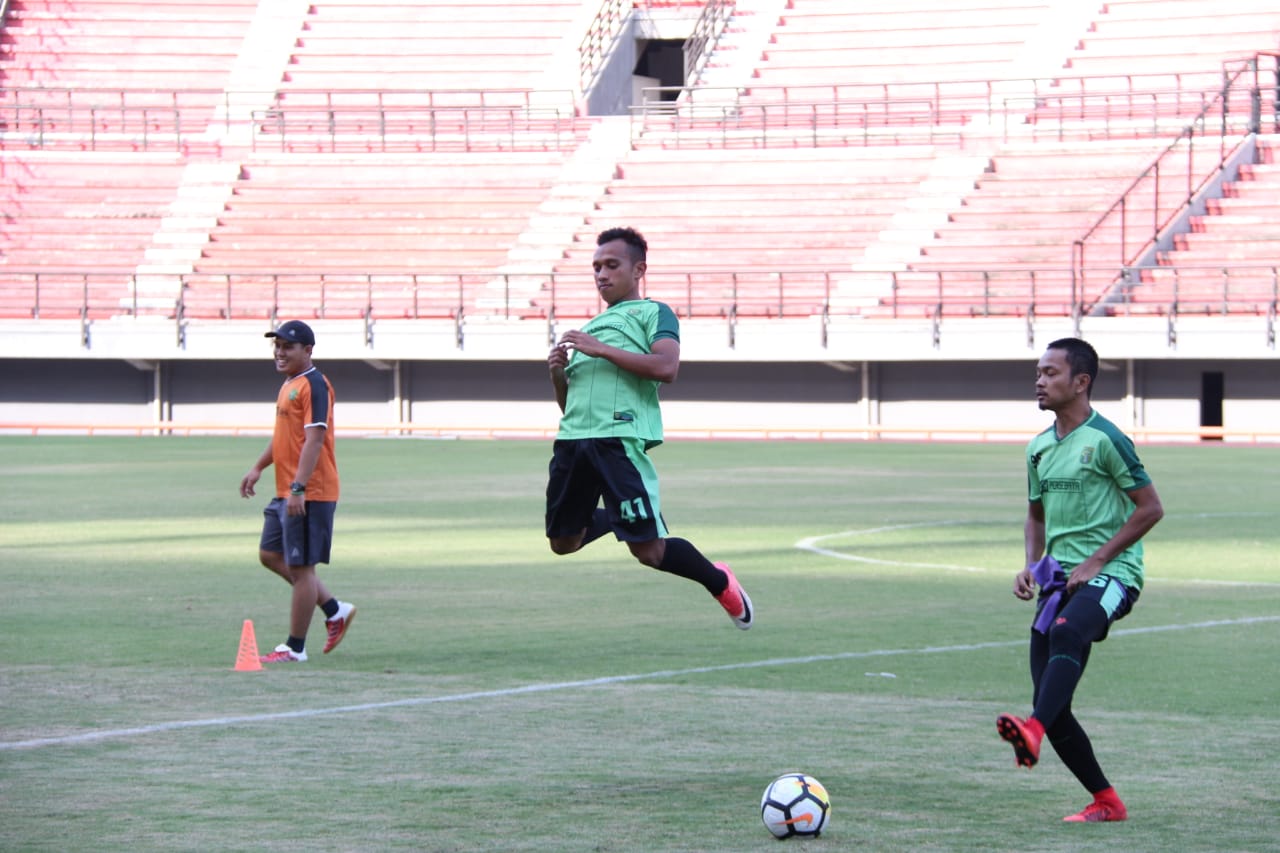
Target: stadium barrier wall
(1141,435)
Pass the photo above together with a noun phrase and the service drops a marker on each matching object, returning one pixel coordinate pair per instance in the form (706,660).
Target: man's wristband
(297,489)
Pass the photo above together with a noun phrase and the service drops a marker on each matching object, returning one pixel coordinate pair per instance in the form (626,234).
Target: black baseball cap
(295,332)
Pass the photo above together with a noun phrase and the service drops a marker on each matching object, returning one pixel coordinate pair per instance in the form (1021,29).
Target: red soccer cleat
(338,625)
(1023,735)
(1100,810)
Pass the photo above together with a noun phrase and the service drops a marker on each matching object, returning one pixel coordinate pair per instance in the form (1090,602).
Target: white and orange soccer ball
(795,804)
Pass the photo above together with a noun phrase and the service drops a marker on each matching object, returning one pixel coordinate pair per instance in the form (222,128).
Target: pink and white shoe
(284,654)
(735,600)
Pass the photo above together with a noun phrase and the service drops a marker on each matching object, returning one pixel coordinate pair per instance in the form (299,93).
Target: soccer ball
(795,805)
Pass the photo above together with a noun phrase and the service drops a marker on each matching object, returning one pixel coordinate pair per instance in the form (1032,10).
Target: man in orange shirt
(298,523)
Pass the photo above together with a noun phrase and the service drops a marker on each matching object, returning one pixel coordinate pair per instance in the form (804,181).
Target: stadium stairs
(1227,263)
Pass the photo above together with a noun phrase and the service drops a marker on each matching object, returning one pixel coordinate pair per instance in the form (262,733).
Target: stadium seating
(91,212)
(116,74)
(402,151)
(170,44)
(79,228)
(353,216)
(427,45)
(1039,198)
(1154,64)
(779,209)
(818,42)
(1035,202)
(1192,38)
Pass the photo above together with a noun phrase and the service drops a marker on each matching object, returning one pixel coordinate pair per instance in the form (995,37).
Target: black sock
(1072,744)
(686,561)
(330,608)
(598,527)
(296,643)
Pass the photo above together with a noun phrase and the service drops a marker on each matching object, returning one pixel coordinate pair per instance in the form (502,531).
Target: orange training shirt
(305,400)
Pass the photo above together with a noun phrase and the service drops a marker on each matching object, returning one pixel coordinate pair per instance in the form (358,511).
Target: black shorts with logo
(583,471)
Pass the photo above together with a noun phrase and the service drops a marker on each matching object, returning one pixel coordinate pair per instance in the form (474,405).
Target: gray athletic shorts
(303,539)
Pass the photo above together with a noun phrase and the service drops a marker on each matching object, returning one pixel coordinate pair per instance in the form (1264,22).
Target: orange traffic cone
(247,659)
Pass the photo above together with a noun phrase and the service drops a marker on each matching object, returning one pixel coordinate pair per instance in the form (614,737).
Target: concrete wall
(709,395)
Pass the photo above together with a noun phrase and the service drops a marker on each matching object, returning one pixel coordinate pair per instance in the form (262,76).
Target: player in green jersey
(1090,504)
(606,377)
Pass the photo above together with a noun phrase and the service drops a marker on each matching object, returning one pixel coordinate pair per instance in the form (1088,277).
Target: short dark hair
(633,238)
(1081,357)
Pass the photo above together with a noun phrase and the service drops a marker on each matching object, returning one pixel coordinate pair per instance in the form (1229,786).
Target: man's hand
(1083,573)
(248,481)
(1023,586)
(558,358)
(583,343)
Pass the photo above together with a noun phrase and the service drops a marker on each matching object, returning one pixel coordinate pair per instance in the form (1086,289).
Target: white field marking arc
(554,686)
(810,543)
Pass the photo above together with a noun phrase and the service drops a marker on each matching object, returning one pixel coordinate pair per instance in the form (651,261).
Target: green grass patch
(493,696)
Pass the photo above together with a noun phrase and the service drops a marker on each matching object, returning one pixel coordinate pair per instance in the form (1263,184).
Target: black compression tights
(1058,660)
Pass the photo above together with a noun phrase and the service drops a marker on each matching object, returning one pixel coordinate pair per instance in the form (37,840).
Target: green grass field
(492,696)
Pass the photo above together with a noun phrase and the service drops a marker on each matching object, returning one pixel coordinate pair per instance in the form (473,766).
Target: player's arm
(312,445)
(662,363)
(557,360)
(1147,511)
(249,480)
(1034,542)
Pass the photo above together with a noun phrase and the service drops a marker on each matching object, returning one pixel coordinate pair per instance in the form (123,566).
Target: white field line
(814,545)
(554,686)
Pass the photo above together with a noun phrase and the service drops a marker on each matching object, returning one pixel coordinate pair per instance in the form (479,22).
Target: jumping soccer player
(606,378)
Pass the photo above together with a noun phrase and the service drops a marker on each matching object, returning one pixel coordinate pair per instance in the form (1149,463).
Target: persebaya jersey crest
(1086,455)
(293,394)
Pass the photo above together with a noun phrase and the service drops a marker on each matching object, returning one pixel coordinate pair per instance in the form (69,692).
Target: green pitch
(492,696)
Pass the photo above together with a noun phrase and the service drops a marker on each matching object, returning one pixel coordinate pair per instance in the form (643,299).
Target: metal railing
(378,120)
(812,124)
(552,298)
(706,32)
(399,128)
(1165,189)
(178,119)
(1039,107)
(611,20)
(596,43)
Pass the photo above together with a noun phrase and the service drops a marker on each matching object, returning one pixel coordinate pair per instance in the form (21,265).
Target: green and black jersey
(605,401)
(1082,481)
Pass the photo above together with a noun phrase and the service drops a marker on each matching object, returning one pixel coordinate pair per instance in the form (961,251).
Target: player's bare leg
(305,583)
(275,562)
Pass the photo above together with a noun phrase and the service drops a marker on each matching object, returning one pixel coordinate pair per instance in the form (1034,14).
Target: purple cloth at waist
(1049,577)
